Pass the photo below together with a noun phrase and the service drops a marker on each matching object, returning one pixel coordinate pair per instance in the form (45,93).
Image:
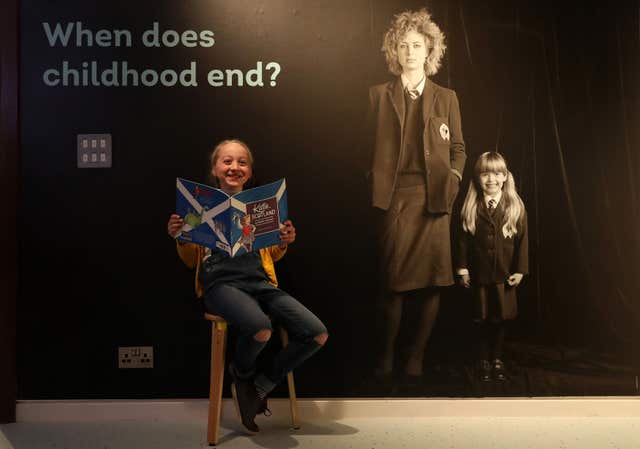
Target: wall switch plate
(135,357)
(94,150)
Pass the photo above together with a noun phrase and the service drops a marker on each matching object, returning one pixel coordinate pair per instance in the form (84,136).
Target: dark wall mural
(552,87)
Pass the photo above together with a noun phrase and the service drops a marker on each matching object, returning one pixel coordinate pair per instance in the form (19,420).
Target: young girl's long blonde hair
(492,161)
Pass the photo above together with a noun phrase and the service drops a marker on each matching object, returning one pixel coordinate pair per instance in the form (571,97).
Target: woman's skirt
(415,245)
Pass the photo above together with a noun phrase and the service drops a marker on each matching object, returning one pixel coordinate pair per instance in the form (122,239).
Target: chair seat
(212,317)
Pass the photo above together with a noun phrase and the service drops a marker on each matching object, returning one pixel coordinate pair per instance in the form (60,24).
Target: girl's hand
(175,224)
(514,279)
(287,233)
(465,280)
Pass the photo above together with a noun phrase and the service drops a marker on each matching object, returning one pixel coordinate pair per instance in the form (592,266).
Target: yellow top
(192,255)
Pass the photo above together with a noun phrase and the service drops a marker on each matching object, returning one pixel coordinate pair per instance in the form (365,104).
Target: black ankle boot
(246,400)
(248,404)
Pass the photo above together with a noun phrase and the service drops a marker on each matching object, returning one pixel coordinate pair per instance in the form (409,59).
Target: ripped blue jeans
(249,306)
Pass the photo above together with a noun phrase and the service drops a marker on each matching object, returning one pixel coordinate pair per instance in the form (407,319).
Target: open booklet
(237,224)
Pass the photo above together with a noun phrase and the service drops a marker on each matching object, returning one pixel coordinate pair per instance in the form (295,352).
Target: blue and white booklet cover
(237,224)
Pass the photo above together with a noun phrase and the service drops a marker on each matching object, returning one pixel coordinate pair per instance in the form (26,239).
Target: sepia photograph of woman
(417,158)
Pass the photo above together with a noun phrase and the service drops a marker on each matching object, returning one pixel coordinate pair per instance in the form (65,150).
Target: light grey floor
(351,433)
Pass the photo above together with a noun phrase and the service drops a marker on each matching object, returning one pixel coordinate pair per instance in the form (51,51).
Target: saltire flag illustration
(246,221)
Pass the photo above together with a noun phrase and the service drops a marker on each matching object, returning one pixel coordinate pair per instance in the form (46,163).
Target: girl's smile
(232,168)
(491,182)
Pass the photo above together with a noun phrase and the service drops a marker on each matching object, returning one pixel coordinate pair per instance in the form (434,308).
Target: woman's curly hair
(421,22)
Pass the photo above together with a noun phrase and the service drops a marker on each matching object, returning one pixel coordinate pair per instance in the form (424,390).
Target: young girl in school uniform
(243,290)
(492,256)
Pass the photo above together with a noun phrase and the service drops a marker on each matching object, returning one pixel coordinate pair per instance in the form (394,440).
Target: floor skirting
(308,409)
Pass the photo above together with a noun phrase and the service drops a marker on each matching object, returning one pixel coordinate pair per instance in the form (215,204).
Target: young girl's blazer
(489,256)
(443,144)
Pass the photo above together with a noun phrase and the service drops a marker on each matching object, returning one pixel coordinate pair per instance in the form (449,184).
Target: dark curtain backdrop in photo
(552,87)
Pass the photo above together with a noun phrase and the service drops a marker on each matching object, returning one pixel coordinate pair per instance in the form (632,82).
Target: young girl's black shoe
(484,371)
(499,371)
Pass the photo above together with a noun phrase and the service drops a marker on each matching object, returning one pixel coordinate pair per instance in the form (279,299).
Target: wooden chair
(218,351)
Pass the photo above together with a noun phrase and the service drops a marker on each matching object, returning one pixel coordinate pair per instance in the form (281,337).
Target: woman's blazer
(443,144)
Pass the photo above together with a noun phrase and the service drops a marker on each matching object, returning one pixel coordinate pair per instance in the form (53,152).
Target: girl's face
(491,182)
(412,51)
(232,168)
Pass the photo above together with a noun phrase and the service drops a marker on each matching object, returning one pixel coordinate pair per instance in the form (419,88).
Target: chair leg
(293,406)
(218,344)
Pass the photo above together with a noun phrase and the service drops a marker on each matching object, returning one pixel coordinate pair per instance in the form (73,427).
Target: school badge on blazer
(444,132)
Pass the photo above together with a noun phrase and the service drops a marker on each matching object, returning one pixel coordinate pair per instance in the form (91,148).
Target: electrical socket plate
(94,150)
(135,357)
